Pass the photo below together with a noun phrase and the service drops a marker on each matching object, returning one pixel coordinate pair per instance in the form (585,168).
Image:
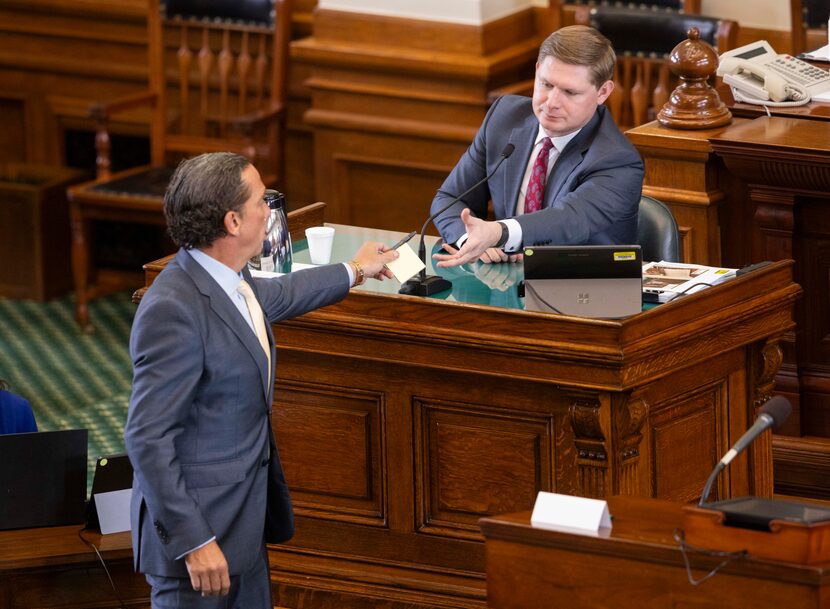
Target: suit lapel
(523,138)
(225,310)
(569,160)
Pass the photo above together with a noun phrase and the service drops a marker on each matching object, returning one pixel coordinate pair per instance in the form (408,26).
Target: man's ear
(604,91)
(231,222)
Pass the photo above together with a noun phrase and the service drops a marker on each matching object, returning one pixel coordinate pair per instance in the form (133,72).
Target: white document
(820,54)
(295,266)
(406,265)
(554,511)
(114,510)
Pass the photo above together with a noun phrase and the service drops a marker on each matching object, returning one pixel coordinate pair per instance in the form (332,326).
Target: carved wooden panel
(343,478)
(680,466)
(474,461)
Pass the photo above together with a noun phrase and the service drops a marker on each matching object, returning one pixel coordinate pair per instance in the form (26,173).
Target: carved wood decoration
(694,104)
(592,443)
(629,421)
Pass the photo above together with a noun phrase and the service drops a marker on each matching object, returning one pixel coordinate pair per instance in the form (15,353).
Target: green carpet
(73,380)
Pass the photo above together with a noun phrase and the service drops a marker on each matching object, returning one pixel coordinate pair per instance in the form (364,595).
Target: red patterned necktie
(536,185)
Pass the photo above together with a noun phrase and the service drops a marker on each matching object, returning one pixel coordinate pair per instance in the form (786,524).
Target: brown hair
(582,46)
(202,190)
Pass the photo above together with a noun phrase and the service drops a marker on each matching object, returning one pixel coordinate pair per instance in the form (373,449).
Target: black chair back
(657,232)
(648,33)
(816,13)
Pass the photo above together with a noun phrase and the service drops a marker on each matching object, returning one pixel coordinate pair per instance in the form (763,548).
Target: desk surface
(643,529)
(30,548)
(638,564)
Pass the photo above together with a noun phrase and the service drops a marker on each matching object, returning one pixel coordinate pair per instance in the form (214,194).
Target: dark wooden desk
(638,565)
(51,567)
(763,186)
(401,421)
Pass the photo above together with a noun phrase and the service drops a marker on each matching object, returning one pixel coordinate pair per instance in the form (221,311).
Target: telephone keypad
(798,71)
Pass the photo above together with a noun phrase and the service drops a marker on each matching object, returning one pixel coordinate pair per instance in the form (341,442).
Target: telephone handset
(758,75)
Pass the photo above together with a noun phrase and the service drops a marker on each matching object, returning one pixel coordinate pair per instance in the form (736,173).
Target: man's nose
(554,96)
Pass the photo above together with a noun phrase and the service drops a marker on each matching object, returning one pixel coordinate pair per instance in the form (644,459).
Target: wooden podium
(638,565)
(401,421)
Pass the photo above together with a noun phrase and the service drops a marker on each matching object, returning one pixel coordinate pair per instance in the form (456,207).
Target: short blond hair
(582,46)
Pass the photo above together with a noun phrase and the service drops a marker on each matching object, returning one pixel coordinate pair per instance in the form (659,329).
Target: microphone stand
(427,285)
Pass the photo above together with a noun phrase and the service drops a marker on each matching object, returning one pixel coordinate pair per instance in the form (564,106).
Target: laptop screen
(602,281)
(43,478)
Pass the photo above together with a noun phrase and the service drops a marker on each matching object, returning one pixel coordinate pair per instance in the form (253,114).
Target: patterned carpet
(72,380)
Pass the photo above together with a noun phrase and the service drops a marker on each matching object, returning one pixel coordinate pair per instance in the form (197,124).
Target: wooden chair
(562,12)
(217,81)
(808,23)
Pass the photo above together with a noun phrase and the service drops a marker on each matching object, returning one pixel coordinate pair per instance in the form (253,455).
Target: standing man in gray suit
(208,490)
(573,177)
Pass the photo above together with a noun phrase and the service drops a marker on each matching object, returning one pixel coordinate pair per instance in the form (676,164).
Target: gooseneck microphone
(773,414)
(427,285)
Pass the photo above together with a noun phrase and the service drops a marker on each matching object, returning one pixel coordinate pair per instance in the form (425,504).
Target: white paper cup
(320,239)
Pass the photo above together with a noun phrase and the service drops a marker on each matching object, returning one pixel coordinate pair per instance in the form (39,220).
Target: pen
(402,241)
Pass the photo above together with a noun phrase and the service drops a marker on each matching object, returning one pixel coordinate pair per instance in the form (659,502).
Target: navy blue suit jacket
(591,197)
(198,430)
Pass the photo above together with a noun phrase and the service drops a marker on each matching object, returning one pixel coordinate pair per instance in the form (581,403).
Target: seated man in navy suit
(573,177)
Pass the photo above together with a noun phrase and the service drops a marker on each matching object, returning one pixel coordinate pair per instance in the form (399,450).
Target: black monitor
(43,478)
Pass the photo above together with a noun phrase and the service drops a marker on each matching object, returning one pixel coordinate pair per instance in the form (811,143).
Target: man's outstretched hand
(482,236)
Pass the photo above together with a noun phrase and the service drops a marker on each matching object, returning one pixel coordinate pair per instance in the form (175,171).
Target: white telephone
(758,75)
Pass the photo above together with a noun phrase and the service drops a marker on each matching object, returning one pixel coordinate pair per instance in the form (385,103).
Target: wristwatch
(505,235)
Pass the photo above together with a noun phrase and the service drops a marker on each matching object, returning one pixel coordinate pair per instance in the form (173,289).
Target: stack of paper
(663,281)
(820,54)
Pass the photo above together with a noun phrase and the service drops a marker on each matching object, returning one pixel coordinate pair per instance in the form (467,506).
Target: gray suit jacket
(198,430)
(591,197)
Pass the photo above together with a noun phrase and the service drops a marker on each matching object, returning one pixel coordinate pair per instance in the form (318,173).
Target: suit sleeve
(471,168)
(607,193)
(297,293)
(168,362)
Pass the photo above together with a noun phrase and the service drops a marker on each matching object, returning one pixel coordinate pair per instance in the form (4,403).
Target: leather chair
(657,232)
(561,12)
(643,40)
(217,81)
(808,20)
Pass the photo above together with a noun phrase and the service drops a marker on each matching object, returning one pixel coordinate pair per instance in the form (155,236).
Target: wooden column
(395,103)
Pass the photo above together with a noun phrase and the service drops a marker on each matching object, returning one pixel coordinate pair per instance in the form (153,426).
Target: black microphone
(421,284)
(773,414)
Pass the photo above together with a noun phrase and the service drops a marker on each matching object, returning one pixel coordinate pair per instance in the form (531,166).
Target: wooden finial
(694,104)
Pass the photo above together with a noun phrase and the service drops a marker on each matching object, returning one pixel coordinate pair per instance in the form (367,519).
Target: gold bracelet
(360,276)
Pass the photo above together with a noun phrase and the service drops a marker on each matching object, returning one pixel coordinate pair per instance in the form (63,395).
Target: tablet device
(604,281)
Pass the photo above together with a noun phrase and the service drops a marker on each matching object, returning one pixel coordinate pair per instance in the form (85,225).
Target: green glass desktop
(476,283)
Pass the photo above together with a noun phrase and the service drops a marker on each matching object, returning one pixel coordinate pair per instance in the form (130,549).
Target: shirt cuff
(350,271)
(460,241)
(514,238)
(196,548)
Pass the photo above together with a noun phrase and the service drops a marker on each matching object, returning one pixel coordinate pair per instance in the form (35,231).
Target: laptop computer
(112,473)
(43,478)
(604,281)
